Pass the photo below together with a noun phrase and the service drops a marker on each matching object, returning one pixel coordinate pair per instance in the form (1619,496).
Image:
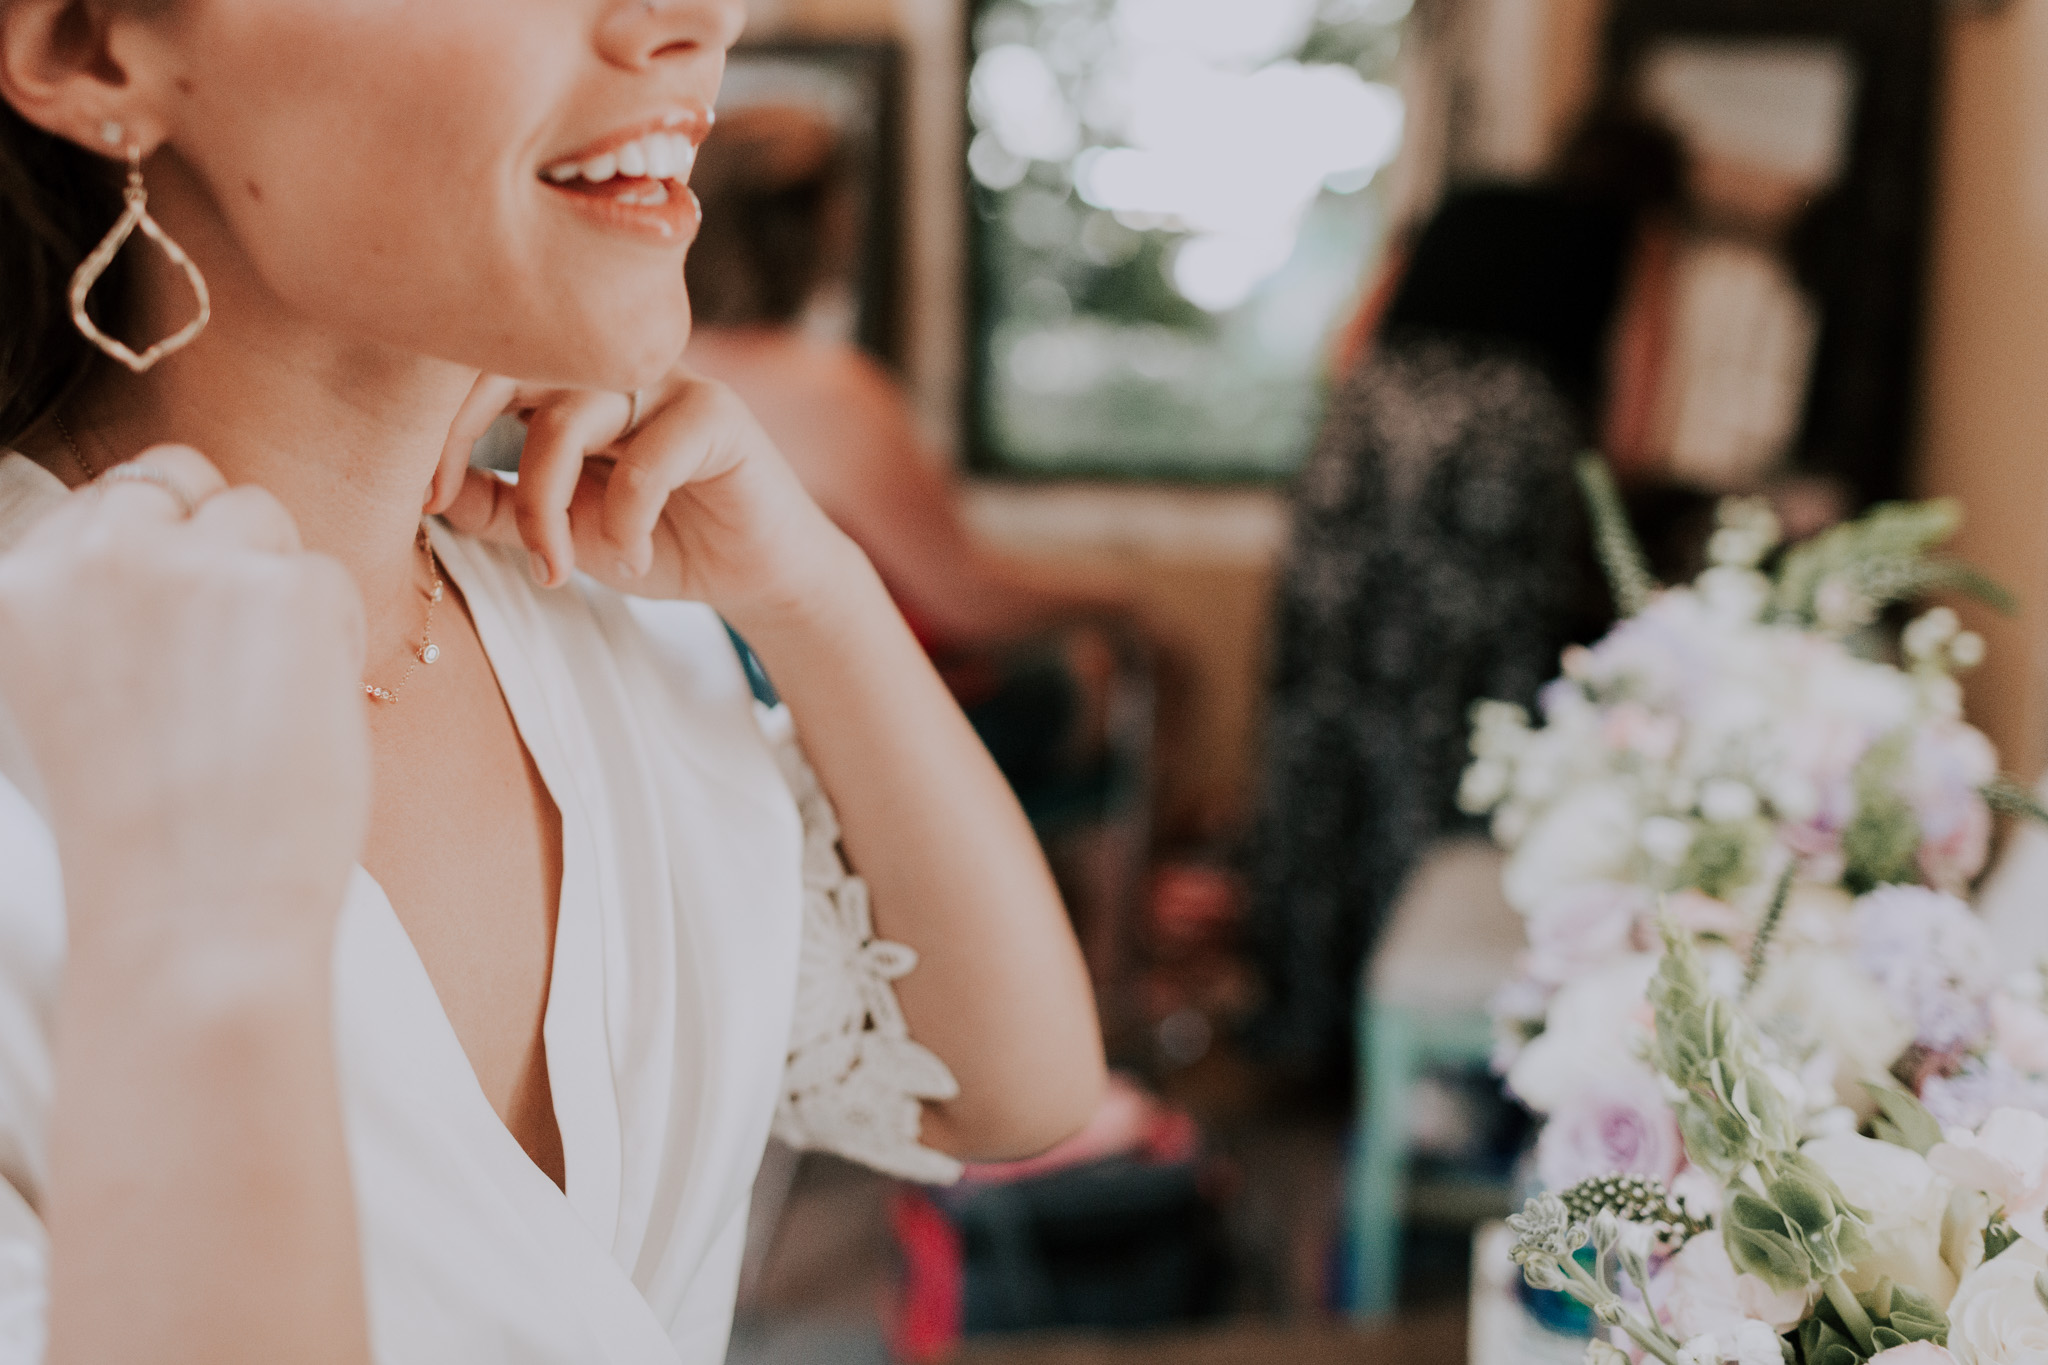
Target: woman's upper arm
(31,952)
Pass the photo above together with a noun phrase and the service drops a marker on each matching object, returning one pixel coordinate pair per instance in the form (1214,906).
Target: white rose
(1905,1202)
(1700,1351)
(1757,1343)
(1726,801)
(2006,1158)
(1752,1344)
(1962,1230)
(1828,1000)
(1586,837)
(1915,1353)
(1590,1031)
(1699,1293)
(1996,1318)
(1581,928)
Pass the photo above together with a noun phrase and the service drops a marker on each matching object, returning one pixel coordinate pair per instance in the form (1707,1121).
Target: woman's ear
(60,70)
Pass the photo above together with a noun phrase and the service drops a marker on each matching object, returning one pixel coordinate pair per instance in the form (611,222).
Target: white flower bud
(1966,650)
(1701,1350)
(1726,801)
(1483,786)
(1665,839)
(1925,637)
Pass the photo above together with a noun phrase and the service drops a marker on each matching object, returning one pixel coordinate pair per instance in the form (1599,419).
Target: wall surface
(1985,418)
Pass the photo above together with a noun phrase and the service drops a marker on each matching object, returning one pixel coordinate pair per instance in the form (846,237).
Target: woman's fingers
(251,518)
(487,402)
(671,450)
(560,436)
(483,508)
(163,484)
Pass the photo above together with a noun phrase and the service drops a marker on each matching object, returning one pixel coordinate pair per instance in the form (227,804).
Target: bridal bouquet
(1792,1099)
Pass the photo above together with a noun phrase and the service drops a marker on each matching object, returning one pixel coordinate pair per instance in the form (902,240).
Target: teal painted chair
(1450,943)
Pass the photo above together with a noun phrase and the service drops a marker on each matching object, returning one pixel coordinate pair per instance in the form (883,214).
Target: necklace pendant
(429,652)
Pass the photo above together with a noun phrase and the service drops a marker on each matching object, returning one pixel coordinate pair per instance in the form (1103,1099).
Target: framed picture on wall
(855,89)
(1809,125)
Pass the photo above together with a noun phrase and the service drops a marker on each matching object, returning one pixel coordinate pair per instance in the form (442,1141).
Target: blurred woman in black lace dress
(1438,552)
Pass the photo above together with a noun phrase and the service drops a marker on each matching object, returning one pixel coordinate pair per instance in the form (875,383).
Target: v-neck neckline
(573,1036)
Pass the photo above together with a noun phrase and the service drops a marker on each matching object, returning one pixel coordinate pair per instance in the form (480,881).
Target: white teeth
(661,156)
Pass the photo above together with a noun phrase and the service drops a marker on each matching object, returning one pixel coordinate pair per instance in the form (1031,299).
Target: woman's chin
(619,358)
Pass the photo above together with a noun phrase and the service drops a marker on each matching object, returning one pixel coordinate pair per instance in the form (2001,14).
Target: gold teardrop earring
(136,215)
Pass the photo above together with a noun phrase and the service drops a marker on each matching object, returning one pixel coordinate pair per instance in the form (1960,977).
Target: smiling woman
(410,928)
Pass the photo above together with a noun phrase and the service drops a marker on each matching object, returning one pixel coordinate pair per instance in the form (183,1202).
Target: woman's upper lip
(690,121)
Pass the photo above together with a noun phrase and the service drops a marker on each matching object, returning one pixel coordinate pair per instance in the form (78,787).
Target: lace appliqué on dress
(855,1079)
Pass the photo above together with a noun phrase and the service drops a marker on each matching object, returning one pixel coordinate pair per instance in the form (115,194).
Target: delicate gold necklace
(425,652)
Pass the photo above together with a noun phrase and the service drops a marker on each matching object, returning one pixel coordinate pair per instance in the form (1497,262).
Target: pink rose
(1582,927)
(2020,1031)
(1950,764)
(1620,1124)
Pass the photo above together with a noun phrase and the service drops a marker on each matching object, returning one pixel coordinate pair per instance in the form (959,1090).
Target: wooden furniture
(1452,941)
(1437,1339)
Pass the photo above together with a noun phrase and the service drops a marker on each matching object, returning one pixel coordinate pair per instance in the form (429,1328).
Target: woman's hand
(694,502)
(190,693)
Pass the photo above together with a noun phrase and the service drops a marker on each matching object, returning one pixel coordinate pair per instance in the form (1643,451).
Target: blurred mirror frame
(1859,247)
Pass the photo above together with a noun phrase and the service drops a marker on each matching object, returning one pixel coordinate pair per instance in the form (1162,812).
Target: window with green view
(1174,201)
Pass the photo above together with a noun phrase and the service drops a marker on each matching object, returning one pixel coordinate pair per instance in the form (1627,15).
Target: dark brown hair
(56,201)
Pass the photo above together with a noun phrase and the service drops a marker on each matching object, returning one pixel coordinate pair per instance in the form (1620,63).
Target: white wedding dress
(715,975)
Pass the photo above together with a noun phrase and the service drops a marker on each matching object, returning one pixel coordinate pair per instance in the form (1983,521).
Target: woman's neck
(346,436)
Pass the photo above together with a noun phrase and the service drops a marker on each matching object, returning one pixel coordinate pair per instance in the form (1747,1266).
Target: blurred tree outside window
(1174,202)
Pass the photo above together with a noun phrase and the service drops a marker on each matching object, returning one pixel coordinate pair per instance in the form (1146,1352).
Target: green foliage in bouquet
(1840,579)
(1614,539)
(1902,1120)
(1897,1315)
(2010,798)
(1835,583)
(1546,1240)
(1784,1220)
(1638,1199)
(1730,1114)
(1884,557)
(1881,846)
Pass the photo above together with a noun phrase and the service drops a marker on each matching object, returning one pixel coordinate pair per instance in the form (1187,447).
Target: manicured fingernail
(538,564)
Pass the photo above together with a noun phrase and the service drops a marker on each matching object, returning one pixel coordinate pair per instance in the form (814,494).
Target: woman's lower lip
(672,223)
